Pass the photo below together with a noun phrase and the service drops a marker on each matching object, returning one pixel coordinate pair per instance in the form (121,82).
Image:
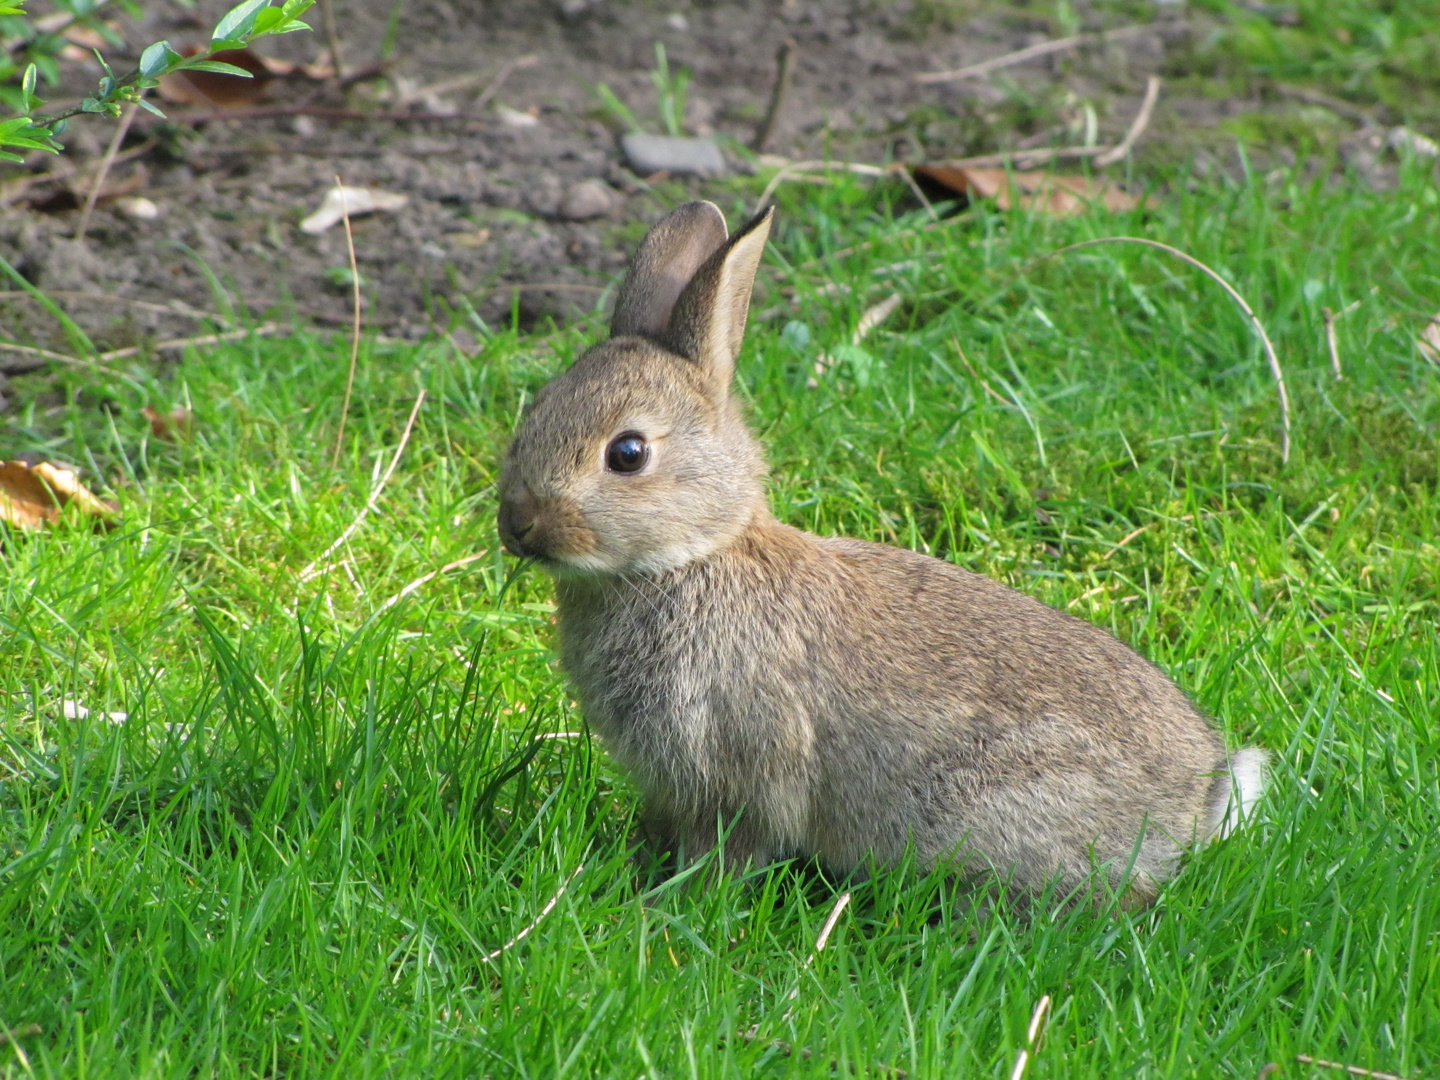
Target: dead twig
(509,68)
(44,356)
(321,112)
(109,159)
(1137,126)
(785,70)
(1259,327)
(175,307)
(549,907)
(1353,1070)
(37,358)
(315,567)
(332,35)
(355,325)
(1034,52)
(1328,101)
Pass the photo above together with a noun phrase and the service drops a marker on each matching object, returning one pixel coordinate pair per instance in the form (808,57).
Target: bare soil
(486,229)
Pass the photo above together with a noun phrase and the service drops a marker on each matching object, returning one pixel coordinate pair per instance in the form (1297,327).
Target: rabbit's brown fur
(827,696)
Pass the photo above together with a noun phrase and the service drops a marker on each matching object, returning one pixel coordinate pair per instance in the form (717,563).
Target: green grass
(321,814)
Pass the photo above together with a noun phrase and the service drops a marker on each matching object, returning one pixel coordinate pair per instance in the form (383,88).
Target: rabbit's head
(637,458)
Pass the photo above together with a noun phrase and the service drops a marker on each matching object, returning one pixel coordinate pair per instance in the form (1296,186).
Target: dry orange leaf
(33,496)
(1046,193)
(168,426)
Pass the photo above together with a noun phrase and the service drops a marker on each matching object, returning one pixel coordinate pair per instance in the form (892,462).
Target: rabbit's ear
(665,262)
(708,324)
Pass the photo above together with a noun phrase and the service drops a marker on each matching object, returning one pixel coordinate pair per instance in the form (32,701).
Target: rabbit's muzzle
(541,528)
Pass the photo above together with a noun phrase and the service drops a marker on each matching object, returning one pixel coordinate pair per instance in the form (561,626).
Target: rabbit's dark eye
(627,454)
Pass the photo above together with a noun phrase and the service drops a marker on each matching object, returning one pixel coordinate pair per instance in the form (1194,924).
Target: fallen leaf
(515,118)
(1429,340)
(1043,192)
(356,200)
(88,37)
(476,239)
(137,208)
(213,88)
(168,426)
(33,496)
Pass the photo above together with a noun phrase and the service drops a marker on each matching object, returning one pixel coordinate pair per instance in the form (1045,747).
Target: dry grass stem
(6,1035)
(355,323)
(549,907)
(1332,343)
(263,330)
(841,903)
(785,71)
(36,358)
(971,368)
(1274,361)
(1137,126)
(1033,1034)
(315,567)
(464,82)
(919,193)
(1034,52)
(1353,1070)
(1024,159)
(1125,540)
(795,168)
(420,581)
(105,162)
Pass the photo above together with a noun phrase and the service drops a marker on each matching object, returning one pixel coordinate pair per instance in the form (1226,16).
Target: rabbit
(825,697)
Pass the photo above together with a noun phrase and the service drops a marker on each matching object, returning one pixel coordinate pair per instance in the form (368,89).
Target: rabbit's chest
(642,681)
(680,700)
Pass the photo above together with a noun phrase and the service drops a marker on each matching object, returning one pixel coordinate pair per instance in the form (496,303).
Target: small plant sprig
(670,89)
(242,24)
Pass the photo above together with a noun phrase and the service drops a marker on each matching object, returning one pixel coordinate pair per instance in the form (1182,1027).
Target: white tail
(1247,783)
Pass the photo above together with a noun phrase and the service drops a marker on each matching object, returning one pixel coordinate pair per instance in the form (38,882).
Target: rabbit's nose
(517,520)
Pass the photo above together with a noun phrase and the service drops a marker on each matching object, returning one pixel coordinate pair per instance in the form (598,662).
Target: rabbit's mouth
(550,531)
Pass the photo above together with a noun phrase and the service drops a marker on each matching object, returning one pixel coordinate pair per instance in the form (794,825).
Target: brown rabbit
(830,697)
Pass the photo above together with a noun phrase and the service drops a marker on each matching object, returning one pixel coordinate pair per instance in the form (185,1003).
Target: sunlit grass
(328,804)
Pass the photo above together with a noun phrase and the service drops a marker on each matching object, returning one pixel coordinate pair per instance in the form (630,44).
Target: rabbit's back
(1037,738)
